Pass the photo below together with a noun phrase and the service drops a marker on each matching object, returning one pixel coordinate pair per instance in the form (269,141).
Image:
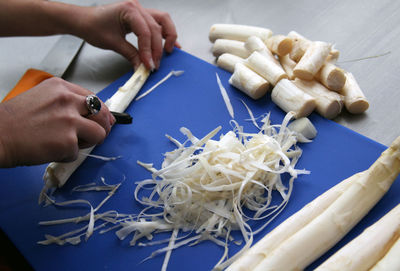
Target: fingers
(168,29)
(150,27)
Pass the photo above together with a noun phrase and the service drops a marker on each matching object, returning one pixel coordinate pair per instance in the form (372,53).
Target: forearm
(39,18)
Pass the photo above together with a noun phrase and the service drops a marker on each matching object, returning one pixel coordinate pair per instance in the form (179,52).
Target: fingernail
(152,66)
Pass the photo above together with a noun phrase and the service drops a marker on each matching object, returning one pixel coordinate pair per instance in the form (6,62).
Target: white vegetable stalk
(368,248)
(288,65)
(249,82)
(324,231)
(249,260)
(265,67)
(331,76)
(255,44)
(304,127)
(57,174)
(328,103)
(228,61)
(280,44)
(391,260)
(312,60)
(237,32)
(233,47)
(289,97)
(300,45)
(354,99)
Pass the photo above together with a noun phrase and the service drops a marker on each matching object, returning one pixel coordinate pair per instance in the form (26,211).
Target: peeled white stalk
(331,76)
(391,260)
(325,230)
(237,32)
(57,174)
(289,97)
(228,61)
(233,47)
(329,104)
(300,45)
(288,65)
(255,44)
(265,67)
(249,82)
(251,258)
(354,99)
(312,60)
(333,55)
(368,248)
(280,44)
(304,127)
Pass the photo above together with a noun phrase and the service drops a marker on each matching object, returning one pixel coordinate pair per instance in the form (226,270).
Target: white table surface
(358,28)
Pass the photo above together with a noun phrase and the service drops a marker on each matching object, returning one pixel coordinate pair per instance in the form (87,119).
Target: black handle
(122,118)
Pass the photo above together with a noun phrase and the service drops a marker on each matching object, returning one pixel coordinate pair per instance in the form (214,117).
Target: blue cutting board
(192,100)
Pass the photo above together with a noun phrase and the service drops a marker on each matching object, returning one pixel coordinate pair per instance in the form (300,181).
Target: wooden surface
(358,29)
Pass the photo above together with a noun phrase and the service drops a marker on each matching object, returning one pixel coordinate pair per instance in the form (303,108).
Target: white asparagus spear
(288,65)
(57,174)
(254,43)
(289,97)
(251,258)
(329,104)
(280,44)
(249,82)
(312,60)
(237,32)
(324,231)
(233,47)
(331,76)
(391,260)
(265,67)
(354,99)
(228,61)
(368,248)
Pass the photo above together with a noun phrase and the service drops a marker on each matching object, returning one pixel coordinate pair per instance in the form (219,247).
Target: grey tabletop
(358,28)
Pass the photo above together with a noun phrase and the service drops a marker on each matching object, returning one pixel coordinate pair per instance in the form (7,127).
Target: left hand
(106,27)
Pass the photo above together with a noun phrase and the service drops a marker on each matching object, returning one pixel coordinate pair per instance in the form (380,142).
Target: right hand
(47,123)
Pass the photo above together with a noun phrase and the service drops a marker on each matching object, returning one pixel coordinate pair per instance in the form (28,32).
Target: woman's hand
(48,123)
(106,27)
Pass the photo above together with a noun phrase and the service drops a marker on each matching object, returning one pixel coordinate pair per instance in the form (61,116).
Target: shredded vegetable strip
(225,97)
(171,73)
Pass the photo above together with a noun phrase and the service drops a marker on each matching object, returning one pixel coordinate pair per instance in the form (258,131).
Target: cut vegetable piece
(225,97)
(368,248)
(250,259)
(264,66)
(249,82)
(288,65)
(289,97)
(171,73)
(304,127)
(331,76)
(391,260)
(255,44)
(312,60)
(228,61)
(300,45)
(233,47)
(325,230)
(237,32)
(333,55)
(57,174)
(328,103)
(354,99)
(280,44)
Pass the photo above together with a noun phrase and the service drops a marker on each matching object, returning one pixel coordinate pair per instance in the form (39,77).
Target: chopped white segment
(304,127)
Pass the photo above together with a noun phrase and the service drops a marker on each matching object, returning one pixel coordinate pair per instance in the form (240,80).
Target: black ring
(93,104)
